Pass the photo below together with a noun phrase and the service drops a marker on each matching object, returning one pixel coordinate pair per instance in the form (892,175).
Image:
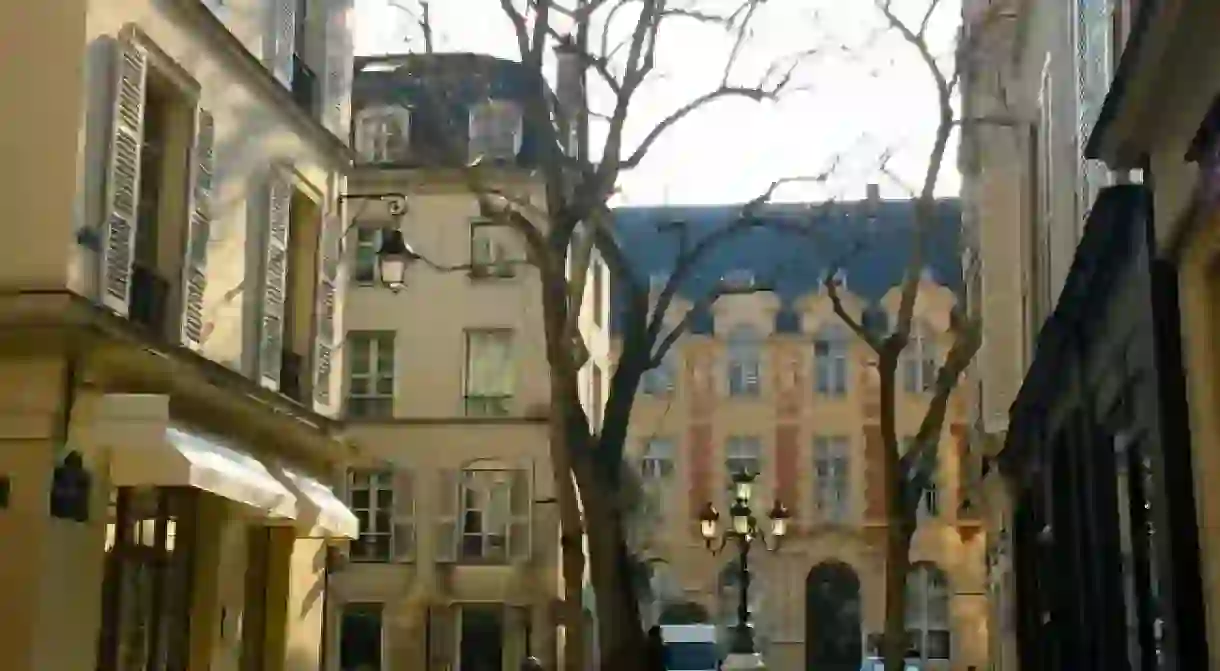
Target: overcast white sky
(854,101)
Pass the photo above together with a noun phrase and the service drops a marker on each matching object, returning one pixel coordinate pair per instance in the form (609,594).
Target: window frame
(498,264)
(488,404)
(743,448)
(495,112)
(743,353)
(658,458)
(660,381)
(488,553)
(370,608)
(373,397)
(368,238)
(373,487)
(832,476)
(927,587)
(378,119)
(830,368)
(920,360)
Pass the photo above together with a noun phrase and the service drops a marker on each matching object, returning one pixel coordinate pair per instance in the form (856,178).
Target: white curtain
(490,364)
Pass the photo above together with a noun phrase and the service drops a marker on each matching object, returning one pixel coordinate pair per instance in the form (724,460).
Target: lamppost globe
(709,519)
(743,486)
(740,514)
(393,258)
(779,519)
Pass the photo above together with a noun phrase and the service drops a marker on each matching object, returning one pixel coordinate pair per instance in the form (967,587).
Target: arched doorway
(832,618)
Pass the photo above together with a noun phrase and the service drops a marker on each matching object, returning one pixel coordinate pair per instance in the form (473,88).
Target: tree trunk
(621,641)
(897,563)
(565,441)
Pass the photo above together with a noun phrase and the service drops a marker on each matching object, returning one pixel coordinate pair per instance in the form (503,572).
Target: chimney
(569,89)
(873,193)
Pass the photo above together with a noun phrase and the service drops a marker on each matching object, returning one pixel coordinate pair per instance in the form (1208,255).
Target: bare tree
(908,474)
(615,44)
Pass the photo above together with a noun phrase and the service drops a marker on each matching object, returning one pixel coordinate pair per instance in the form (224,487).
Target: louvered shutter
(442,644)
(324,393)
(280,39)
(199,232)
(336,111)
(123,177)
(520,497)
(275,280)
(446,527)
(404,515)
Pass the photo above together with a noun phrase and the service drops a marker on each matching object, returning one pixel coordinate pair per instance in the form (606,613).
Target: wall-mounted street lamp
(744,530)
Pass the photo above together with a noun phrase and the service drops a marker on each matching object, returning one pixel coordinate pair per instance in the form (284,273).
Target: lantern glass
(779,519)
(393,258)
(743,486)
(740,512)
(708,521)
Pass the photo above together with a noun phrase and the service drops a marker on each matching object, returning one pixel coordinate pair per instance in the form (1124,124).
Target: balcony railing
(292,376)
(305,86)
(149,299)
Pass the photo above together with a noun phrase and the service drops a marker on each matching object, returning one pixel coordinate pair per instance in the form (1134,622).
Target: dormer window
(495,130)
(738,279)
(382,133)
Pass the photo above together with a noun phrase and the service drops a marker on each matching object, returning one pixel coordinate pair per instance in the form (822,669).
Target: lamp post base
(743,661)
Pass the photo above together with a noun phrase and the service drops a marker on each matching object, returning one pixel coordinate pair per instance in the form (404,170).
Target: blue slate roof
(439,85)
(880,231)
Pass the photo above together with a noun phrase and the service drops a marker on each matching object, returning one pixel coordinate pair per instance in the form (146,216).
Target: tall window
(919,359)
(927,615)
(384,503)
(657,462)
(146,592)
(832,470)
(360,637)
(830,348)
(495,130)
(382,133)
(744,362)
(368,241)
(370,384)
(489,372)
(743,454)
(495,513)
(489,255)
(660,380)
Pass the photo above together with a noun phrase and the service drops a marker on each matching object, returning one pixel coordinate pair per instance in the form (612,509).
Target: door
(481,646)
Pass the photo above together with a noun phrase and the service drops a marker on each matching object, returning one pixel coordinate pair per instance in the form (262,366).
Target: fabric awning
(321,509)
(186,458)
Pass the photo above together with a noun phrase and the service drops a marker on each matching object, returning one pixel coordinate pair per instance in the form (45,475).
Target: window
(495,513)
(830,348)
(488,253)
(919,360)
(368,241)
(929,501)
(657,462)
(660,380)
(383,133)
(597,411)
(495,130)
(489,372)
(832,470)
(744,362)
(927,615)
(370,385)
(360,637)
(147,586)
(384,502)
(743,454)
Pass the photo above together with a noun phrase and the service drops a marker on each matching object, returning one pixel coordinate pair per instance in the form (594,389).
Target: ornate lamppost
(743,531)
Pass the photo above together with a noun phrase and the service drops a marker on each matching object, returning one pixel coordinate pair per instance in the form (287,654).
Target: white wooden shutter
(123,177)
(195,262)
(275,281)
(443,626)
(447,494)
(325,398)
(404,515)
(280,38)
(337,94)
(521,498)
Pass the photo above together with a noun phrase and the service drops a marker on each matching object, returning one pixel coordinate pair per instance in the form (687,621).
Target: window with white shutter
(495,513)
(489,255)
(372,498)
(520,537)
(919,359)
(325,314)
(370,365)
(279,40)
(123,176)
(404,516)
(383,134)
(489,372)
(337,86)
(830,348)
(445,523)
(199,232)
(275,282)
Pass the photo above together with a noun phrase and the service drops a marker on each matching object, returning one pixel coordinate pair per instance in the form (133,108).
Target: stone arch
(833,638)
(684,612)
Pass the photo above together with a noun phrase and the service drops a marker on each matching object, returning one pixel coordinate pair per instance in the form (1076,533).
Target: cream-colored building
(800,406)
(169,300)
(447,388)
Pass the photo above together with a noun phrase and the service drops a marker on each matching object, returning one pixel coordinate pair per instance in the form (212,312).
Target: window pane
(359,386)
(359,354)
(385,386)
(360,498)
(385,355)
(385,498)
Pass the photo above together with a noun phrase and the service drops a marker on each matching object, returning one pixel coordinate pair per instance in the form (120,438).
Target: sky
(864,93)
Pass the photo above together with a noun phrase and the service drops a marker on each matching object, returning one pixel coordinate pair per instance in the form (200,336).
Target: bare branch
(832,290)
(927,17)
